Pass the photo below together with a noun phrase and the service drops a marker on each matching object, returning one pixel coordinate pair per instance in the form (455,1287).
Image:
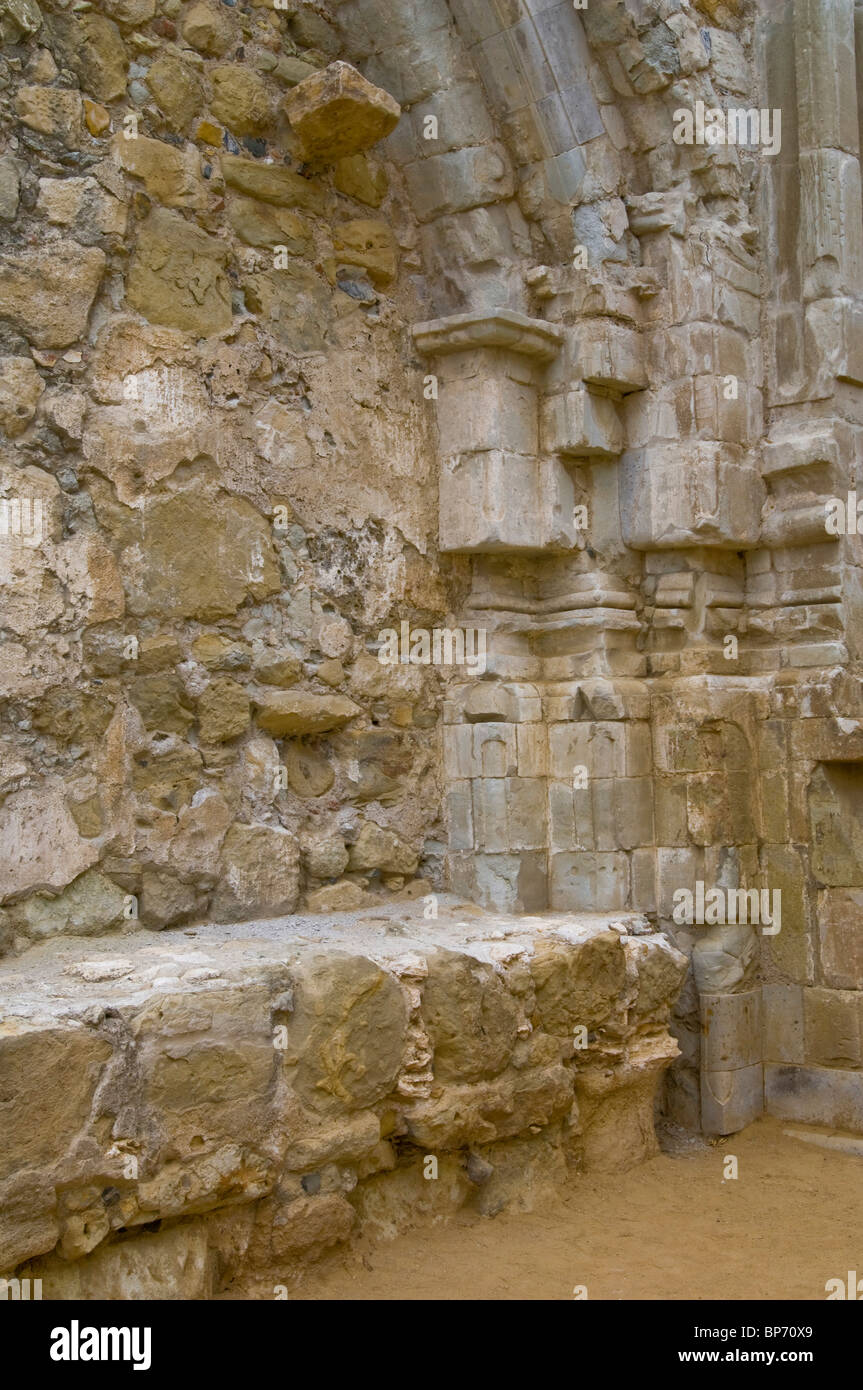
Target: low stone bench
(217,1106)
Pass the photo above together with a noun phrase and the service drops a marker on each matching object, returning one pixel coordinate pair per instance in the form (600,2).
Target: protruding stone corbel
(498,493)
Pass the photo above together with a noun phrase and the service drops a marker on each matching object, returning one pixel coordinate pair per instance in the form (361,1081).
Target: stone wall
(203,1116)
(325,321)
(209,421)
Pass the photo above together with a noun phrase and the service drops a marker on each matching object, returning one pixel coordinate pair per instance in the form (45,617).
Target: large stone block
(260,873)
(840,928)
(41,847)
(286,714)
(47,292)
(459,180)
(92,46)
(175,1264)
(580,424)
(272,183)
(577,983)
(178,276)
(468,1115)
(832,1021)
(91,905)
(815,1095)
(704,495)
(661,970)
(782,1018)
(347,1032)
(49,1078)
(470,1017)
(589,882)
(337,112)
(199,556)
(379,848)
(609,354)
(170,176)
(497,501)
(730,1100)
(731,1030)
(487,413)
(831,222)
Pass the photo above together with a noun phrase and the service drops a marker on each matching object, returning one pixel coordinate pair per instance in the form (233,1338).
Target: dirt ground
(672,1228)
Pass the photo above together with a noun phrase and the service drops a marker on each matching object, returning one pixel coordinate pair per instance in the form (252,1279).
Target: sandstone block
(223,711)
(346,1036)
(721,505)
(208,28)
(782,1014)
(286,715)
(82,203)
(355,177)
(463,1115)
(840,925)
(90,906)
(173,1264)
(171,176)
(377,848)
(92,46)
(311,1224)
(272,183)
(199,556)
(832,1021)
(49,1077)
(369,244)
(815,1095)
(260,873)
(162,702)
(582,425)
(470,1017)
(10,181)
(241,100)
(497,501)
(51,111)
(178,276)
(40,845)
(260,225)
(481,413)
(20,389)
(166,901)
(47,292)
(177,88)
(293,303)
(337,897)
(337,112)
(310,774)
(589,882)
(282,670)
(661,970)
(169,774)
(459,181)
(577,983)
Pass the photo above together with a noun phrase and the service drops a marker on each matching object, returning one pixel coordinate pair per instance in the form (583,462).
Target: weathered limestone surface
(264,1093)
(365,316)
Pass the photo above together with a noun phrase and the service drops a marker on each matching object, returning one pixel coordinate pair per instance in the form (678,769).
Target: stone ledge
(502,328)
(276,1086)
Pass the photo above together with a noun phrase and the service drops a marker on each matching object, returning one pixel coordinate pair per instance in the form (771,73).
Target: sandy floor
(670,1229)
